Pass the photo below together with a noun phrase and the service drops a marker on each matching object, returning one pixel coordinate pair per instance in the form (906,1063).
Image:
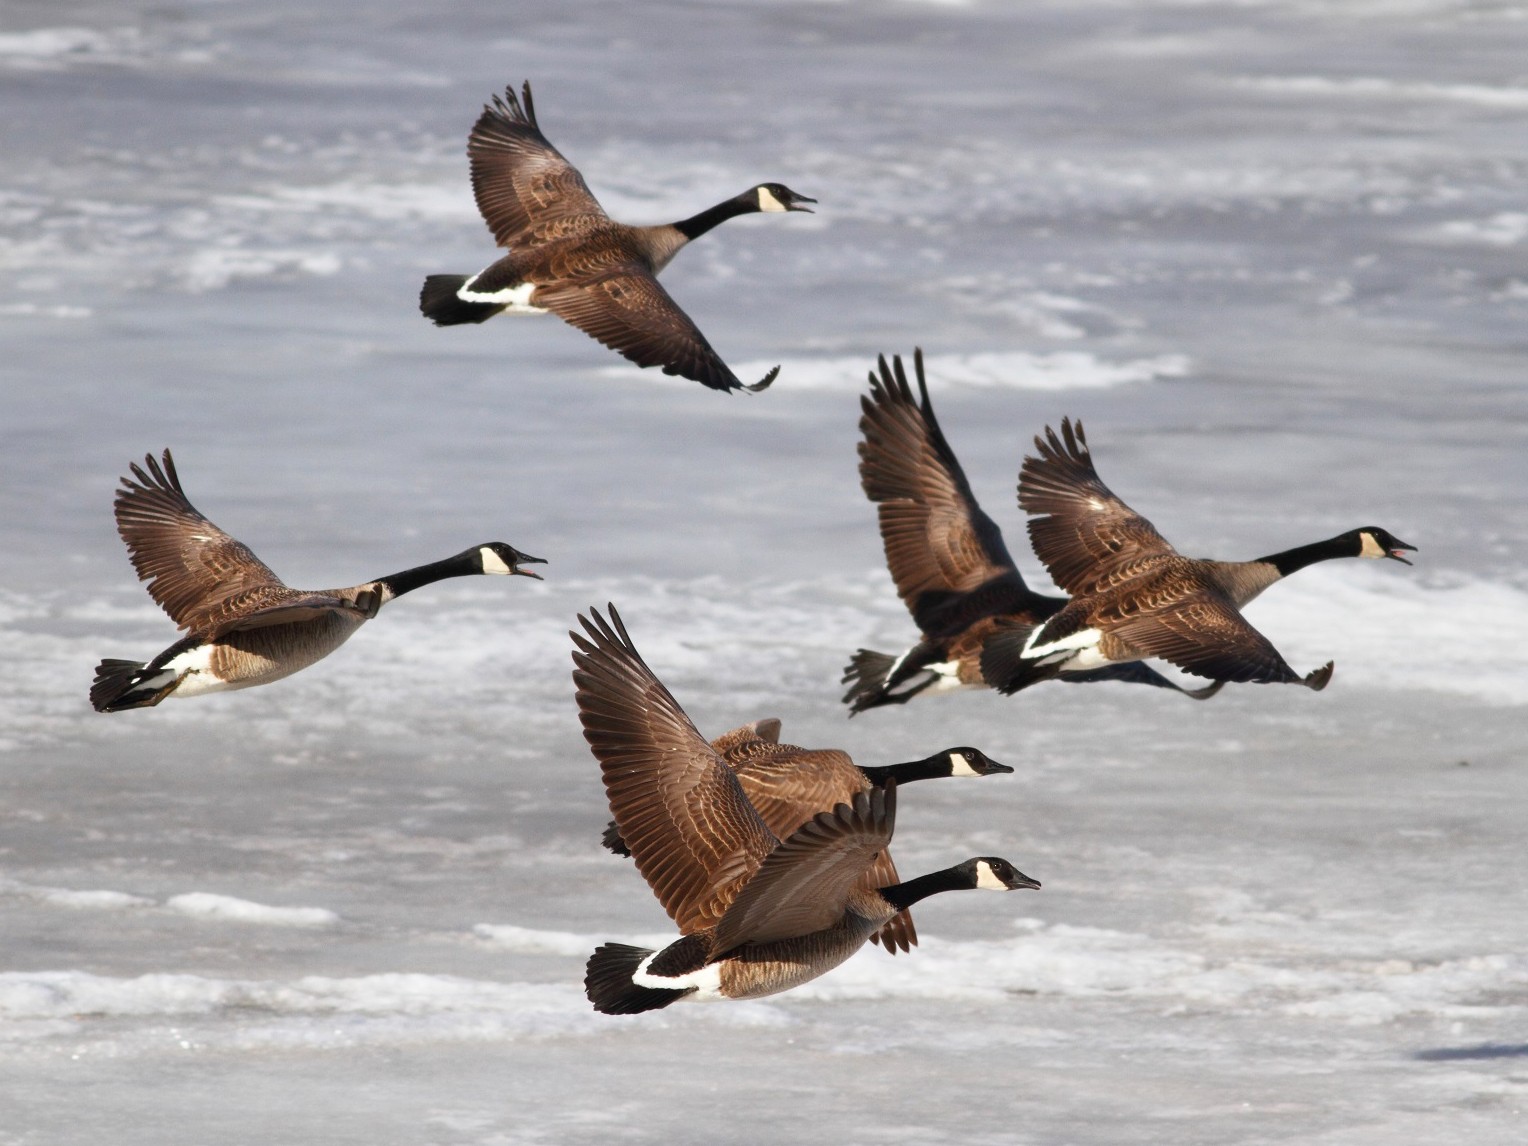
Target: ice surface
(1269,253)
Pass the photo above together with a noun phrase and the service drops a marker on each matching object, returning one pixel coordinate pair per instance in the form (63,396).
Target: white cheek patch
(987,880)
(768,202)
(1368,547)
(960,766)
(492,563)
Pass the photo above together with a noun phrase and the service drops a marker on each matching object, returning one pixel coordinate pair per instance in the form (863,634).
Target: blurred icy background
(1271,253)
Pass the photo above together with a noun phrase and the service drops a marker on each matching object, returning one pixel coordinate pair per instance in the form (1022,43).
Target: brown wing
(1206,636)
(519,179)
(938,541)
(1087,536)
(196,572)
(898,933)
(627,309)
(680,809)
(805,883)
(737,745)
(263,608)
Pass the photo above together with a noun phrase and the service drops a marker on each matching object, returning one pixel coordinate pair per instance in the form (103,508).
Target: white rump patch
(515,299)
(1084,639)
(492,563)
(707,982)
(194,668)
(767,201)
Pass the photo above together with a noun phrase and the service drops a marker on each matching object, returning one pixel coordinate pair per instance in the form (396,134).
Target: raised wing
(193,568)
(805,883)
(1086,537)
(518,178)
(678,806)
(939,544)
(628,310)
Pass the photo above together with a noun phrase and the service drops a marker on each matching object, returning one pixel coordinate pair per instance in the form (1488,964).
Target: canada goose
(788,785)
(1133,595)
(244,627)
(568,257)
(757,915)
(947,557)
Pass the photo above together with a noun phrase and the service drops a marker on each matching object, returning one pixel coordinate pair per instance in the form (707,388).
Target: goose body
(946,556)
(244,626)
(1134,595)
(788,785)
(567,257)
(757,914)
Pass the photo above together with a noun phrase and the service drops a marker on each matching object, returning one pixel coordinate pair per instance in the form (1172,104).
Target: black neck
(1293,560)
(930,768)
(462,565)
(904,895)
(697,225)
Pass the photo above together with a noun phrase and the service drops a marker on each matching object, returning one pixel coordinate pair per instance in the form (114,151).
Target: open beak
(1395,553)
(796,204)
(529,560)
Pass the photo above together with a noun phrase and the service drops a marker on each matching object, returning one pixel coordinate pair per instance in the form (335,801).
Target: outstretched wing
(678,806)
(196,572)
(517,176)
(1207,637)
(628,310)
(1086,537)
(939,544)
(805,883)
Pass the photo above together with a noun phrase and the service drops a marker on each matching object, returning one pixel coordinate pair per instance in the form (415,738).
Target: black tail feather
(607,982)
(613,841)
(865,674)
(1004,665)
(114,680)
(439,303)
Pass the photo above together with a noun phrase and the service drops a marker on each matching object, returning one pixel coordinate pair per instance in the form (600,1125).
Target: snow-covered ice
(1271,254)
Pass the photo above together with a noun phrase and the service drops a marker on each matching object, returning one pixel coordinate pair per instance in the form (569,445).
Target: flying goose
(568,257)
(757,914)
(946,556)
(788,785)
(1133,595)
(243,626)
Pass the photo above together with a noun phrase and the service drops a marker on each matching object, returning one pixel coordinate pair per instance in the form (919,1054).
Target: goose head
(778,197)
(988,873)
(501,559)
(971,762)
(1376,542)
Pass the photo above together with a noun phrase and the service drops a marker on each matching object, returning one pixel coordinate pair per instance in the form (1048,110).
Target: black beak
(1395,553)
(527,559)
(994,768)
(1022,881)
(795,204)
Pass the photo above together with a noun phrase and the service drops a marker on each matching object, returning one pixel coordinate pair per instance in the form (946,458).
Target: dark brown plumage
(568,257)
(1134,595)
(244,627)
(946,556)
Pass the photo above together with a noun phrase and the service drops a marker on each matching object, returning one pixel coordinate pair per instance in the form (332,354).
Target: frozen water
(1271,254)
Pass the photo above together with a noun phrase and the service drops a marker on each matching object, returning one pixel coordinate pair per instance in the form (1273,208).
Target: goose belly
(253,657)
(762,969)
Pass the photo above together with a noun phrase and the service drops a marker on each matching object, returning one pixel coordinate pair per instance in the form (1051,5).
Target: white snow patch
(1374,87)
(208,905)
(528,941)
(1504,229)
(1013,370)
(215,268)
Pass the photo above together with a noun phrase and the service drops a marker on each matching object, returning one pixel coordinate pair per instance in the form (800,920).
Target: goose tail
(440,303)
(608,982)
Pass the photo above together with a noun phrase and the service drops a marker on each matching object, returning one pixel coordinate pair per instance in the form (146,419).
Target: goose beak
(529,560)
(795,204)
(1023,882)
(1395,552)
(994,768)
